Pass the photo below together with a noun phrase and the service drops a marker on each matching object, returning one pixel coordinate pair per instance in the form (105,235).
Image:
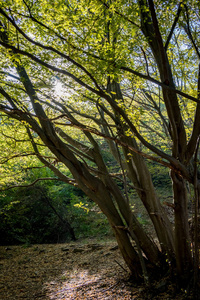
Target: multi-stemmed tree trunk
(48,120)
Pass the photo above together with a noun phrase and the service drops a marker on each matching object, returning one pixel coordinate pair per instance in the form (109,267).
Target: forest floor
(88,269)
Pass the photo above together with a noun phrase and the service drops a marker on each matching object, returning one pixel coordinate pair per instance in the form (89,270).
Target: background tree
(126,80)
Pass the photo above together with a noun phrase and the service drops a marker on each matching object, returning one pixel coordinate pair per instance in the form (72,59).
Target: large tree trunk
(141,178)
(149,248)
(128,252)
(182,237)
(102,197)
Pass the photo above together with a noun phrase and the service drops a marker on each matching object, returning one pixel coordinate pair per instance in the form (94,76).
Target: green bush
(87,220)
(40,214)
(26,217)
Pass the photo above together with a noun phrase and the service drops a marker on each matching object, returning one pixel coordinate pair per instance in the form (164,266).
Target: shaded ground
(92,270)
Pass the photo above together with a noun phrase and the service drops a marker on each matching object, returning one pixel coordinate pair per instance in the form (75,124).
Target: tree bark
(182,238)
(141,178)
(102,197)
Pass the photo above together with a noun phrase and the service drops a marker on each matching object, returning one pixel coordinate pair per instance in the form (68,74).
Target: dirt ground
(78,270)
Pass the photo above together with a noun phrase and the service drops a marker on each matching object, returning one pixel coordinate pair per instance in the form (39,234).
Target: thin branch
(16,156)
(31,184)
(10,75)
(196,125)
(17,113)
(75,144)
(173,25)
(152,130)
(189,33)
(51,166)
(120,14)
(146,61)
(7,96)
(149,78)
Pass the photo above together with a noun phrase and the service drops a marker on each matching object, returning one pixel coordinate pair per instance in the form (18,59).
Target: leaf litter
(77,270)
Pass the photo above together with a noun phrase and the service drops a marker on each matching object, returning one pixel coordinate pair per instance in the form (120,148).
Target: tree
(126,81)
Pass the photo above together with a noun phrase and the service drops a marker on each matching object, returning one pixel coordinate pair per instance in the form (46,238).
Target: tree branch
(196,126)
(16,156)
(120,14)
(157,82)
(189,33)
(174,25)
(52,167)
(32,183)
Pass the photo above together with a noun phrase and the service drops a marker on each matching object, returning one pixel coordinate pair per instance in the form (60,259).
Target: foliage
(87,220)
(27,217)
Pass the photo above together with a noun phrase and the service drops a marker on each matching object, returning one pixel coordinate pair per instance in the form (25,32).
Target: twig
(31,184)
(121,266)
(172,205)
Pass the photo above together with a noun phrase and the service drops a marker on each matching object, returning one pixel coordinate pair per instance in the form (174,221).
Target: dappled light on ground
(82,285)
(77,270)
(74,271)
